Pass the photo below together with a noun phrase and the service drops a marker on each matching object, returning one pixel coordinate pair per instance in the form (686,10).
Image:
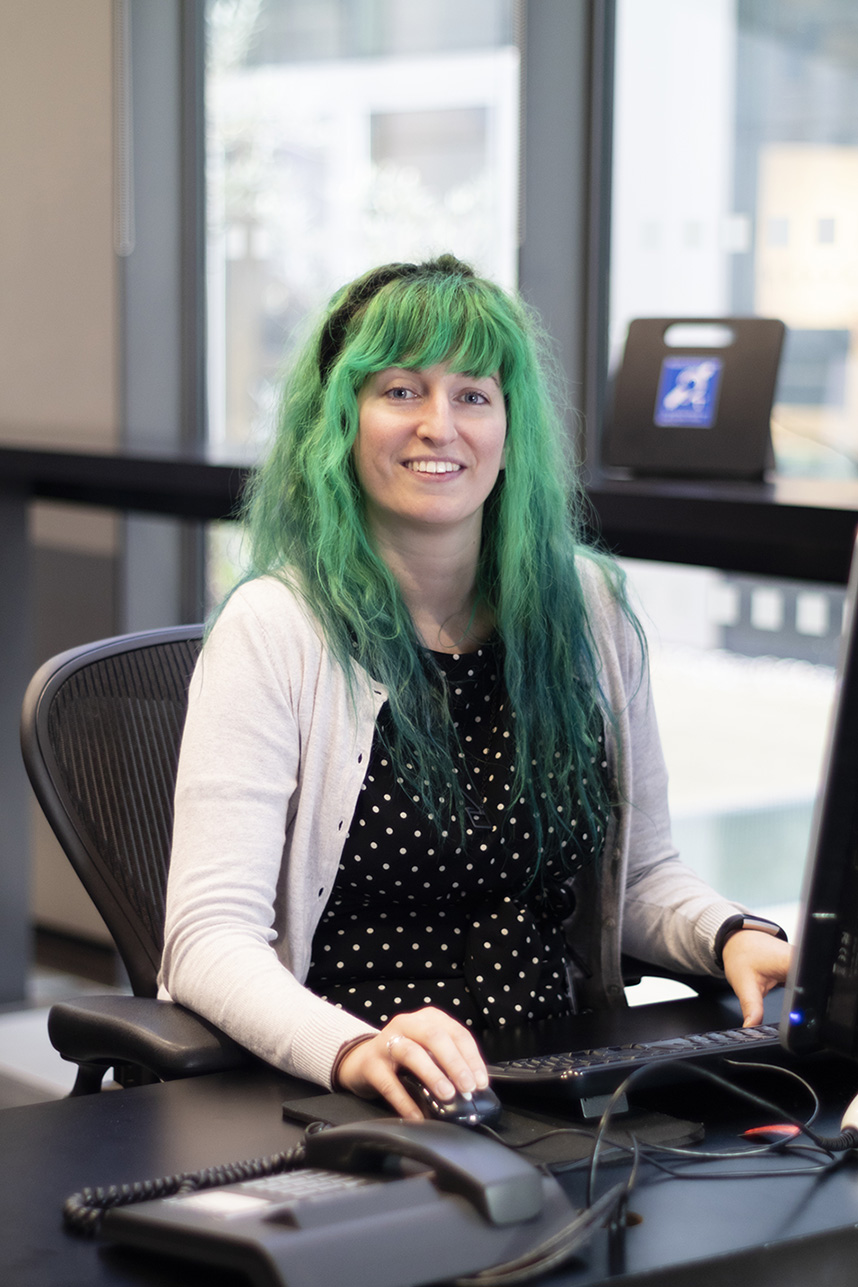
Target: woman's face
(429,447)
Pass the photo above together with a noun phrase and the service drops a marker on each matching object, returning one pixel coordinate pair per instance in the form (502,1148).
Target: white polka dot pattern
(417,920)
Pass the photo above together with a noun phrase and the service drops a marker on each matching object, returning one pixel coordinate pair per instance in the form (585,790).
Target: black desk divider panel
(685,406)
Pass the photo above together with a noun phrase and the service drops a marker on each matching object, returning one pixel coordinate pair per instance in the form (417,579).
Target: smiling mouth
(433,467)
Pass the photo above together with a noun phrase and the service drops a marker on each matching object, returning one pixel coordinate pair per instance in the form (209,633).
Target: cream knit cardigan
(273,757)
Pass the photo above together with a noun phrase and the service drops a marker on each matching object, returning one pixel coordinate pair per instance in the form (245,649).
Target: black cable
(831,1144)
(747,1173)
(741,1066)
(555,1250)
(610,1208)
(692,1154)
(844,1142)
(580,1131)
(649,1151)
(84,1211)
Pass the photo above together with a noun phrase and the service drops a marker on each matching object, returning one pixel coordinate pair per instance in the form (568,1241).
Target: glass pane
(344,134)
(736,191)
(743,674)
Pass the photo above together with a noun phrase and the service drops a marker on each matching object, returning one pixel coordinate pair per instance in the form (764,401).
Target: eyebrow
(412,370)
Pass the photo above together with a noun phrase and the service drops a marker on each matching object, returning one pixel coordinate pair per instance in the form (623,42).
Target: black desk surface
(774,1230)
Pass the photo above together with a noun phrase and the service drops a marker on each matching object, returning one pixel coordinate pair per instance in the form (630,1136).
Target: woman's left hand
(754,963)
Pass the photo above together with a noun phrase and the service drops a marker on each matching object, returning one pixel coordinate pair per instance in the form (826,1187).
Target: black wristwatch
(733,924)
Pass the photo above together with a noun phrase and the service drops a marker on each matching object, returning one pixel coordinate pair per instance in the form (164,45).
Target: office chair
(100,733)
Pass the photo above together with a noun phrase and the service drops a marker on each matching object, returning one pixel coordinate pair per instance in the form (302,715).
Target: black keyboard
(598,1072)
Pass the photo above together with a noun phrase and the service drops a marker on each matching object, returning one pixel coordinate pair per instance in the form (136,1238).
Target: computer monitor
(821,1002)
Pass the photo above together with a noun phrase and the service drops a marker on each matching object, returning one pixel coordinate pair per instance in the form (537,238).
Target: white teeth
(433,466)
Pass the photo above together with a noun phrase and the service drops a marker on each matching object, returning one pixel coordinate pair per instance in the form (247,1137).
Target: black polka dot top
(418,919)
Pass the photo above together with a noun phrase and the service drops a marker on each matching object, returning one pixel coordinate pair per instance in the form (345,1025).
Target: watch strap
(742,921)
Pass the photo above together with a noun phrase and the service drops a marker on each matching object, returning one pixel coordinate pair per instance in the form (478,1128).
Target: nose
(438,423)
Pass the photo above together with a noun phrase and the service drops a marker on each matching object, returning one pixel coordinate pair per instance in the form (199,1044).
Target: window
(736,191)
(341,135)
(743,683)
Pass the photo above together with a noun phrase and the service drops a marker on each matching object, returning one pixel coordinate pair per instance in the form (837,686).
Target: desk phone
(383,1203)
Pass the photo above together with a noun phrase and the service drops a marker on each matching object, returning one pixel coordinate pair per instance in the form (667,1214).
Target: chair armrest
(165,1039)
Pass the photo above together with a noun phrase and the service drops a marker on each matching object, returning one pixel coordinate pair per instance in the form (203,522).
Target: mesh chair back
(100,734)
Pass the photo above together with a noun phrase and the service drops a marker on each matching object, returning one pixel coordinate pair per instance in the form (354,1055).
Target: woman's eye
(399,393)
(474,396)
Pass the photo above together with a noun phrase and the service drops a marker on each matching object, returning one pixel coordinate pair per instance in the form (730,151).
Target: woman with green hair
(421,792)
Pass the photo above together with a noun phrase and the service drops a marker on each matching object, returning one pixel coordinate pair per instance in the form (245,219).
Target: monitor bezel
(820,1010)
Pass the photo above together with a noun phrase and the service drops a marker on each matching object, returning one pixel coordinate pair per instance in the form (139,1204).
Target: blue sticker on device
(688,389)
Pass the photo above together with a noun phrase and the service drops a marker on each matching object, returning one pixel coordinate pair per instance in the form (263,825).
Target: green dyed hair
(304,515)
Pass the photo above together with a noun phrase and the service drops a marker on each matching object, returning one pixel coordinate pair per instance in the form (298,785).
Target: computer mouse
(481,1107)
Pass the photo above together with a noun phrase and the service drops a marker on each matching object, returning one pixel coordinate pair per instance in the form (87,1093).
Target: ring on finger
(391,1042)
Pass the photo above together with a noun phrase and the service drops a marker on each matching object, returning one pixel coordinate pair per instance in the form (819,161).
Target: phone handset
(500,1184)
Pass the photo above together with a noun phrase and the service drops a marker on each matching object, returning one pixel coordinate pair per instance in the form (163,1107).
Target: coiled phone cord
(84,1211)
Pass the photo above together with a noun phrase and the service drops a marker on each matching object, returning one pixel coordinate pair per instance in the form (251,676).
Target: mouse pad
(554,1140)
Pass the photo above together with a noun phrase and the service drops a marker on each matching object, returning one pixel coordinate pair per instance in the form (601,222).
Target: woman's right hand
(439,1051)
